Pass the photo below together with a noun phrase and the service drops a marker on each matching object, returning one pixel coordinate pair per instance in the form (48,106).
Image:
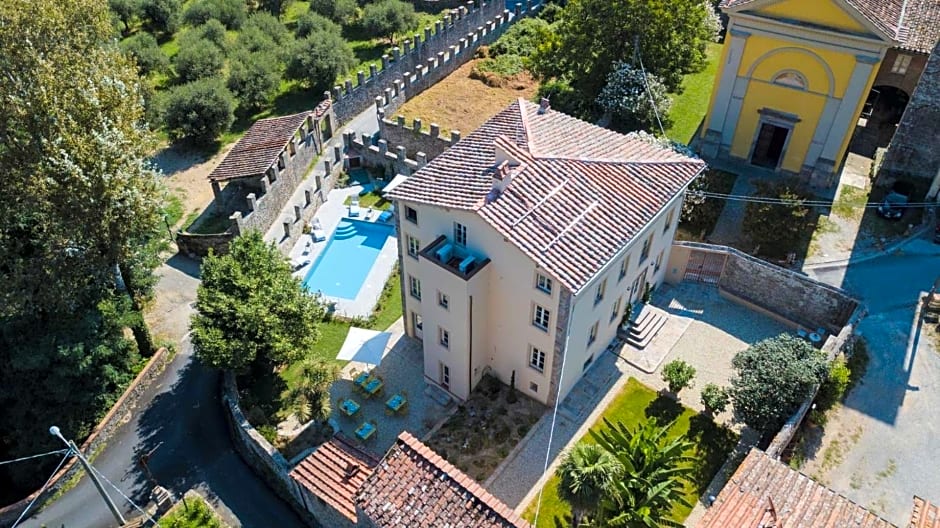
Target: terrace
(454,258)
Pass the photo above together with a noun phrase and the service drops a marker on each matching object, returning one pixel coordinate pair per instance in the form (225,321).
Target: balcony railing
(455,259)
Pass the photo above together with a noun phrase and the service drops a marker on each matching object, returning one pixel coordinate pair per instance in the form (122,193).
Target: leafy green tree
(386,18)
(198,59)
(778,228)
(309,399)
(655,469)
(145,50)
(678,375)
(319,59)
(635,101)
(594,34)
(339,11)
(586,473)
(772,378)
(264,32)
(715,399)
(250,308)
(275,7)
(310,23)
(125,11)
(523,38)
(213,31)
(231,13)
(199,111)
(161,16)
(254,79)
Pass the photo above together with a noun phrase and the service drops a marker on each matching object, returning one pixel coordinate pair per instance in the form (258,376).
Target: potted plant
(678,375)
(715,399)
(627,316)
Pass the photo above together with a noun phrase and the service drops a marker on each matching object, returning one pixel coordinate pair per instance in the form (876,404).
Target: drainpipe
(470,342)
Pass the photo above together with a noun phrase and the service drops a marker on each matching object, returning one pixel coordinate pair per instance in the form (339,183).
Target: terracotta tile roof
(580,194)
(764,492)
(925,514)
(259,148)
(413,487)
(335,472)
(919,31)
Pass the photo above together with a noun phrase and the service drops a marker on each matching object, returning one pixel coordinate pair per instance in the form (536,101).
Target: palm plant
(309,399)
(586,472)
(654,472)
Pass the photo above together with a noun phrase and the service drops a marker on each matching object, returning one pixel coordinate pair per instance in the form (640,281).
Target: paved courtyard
(715,330)
(400,369)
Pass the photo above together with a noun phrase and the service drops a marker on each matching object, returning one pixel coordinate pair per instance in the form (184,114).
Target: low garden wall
(98,438)
(197,246)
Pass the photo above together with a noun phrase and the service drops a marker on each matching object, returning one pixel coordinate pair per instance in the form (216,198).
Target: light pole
(54,431)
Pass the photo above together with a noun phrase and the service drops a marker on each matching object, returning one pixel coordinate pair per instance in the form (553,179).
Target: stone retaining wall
(98,438)
(197,246)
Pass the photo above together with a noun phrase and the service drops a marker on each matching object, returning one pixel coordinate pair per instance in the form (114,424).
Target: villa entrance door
(768,149)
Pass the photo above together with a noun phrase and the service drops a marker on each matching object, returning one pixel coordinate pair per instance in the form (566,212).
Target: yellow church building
(794,77)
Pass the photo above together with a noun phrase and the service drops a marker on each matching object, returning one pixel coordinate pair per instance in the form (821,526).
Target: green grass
(635,404)
(213,224)
(851,202)
(195,513)
(689,107)
(372,199)
(173,208)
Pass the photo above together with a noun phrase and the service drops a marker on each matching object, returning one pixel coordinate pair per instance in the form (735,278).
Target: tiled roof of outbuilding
(413,487)
(923,25)
(259,148)
(335,472)
(925,514)
(580,194)
(765,492)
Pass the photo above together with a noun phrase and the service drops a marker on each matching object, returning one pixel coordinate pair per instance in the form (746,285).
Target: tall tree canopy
(386,18)
(250,308)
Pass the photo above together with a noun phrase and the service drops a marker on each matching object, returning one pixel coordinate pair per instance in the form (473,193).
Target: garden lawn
(372,199)
(689,107)
(194,513)
(635,404)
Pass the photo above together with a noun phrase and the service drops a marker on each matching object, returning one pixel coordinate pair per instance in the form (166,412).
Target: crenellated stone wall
(413,138)
(423,60)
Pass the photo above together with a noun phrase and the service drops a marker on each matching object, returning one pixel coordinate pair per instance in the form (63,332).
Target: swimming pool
(342,267)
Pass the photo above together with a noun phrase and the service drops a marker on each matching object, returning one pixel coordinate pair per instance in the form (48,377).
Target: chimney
(544,105)
(502,177)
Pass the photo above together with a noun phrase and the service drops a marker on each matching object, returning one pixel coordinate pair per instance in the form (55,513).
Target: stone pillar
(337,92)
(396,53)
(518,10)
(327,168)
(286,229)
(463,44)
(383,146)
(265,185)
(337,153)
(454,136)
(431,64)
(437,27)
(252,201)
(379,103)
(419,72)
(402,153)
(217,191)
(385,61)
(348,86)
(348,137)
(435,130)
(416,41)
(297,213)
(406,45)
(388,95)
(400,120)
(453,52)
(307,197)
(422,159)
(440,58)
(373,71)
(319,180)
(237,222)
(366,140)
(427,33)
(416,126)
(399,87)
(448,19)
(360,77)
(381,114)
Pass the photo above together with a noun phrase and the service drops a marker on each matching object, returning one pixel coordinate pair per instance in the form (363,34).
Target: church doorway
(769,146)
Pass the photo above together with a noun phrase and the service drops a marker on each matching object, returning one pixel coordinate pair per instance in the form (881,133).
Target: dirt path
(186,174)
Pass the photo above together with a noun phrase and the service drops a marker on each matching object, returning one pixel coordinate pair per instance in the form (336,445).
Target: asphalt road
(184,426)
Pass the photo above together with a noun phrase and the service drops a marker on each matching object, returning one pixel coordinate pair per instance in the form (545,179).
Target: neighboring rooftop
(918,31)
(413,487)
(575,193)
(764,492)
(259,148)
(925,514)
(335,472)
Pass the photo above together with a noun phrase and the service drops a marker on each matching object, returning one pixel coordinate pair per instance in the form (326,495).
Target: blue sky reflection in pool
(342,268)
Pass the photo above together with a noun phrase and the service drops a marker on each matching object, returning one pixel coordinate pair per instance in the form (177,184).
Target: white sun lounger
(298,264)
(354,207)
(317,233)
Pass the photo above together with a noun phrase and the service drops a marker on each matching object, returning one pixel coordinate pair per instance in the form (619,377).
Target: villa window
(415,287)
(444,337)
(659,260)
(411,215)
(601,290)
(533,386)
(414,245)
(592,336)
(669,216)
(537,359)
(443,300)
(624,266)
(791,79)
(460,234)
(587,363)
(901,64)
(616,310)
(543,283)
(541,317)
(645,253)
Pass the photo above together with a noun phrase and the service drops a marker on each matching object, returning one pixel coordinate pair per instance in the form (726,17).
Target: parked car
(893,206)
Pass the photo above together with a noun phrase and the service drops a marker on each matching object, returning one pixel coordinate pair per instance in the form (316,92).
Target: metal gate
(704,266)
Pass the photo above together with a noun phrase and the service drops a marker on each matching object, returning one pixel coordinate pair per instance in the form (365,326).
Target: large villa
(522,245)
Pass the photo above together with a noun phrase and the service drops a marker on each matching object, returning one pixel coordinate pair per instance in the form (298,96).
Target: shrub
(214,32)
(563,97)
(199,111)
(502,65)
(319,59)
(777,228)
(161,16)
(522,38)
(253,79)
(627,96)
(310,23)
(715,398)
(145,50)
(678,375)
(198,59)
(201,11)
(834,388)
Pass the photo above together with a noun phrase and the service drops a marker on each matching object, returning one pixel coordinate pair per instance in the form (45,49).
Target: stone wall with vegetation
(197,246)
(267,462)
(98,438)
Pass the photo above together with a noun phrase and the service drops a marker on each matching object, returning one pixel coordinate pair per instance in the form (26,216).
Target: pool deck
(330,214)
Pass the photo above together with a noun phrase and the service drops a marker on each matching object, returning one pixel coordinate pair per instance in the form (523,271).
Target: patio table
(396,402)
(365,431)
(373,386)
(349,407)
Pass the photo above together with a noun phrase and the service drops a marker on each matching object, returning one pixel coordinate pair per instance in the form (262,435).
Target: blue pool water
(346,260)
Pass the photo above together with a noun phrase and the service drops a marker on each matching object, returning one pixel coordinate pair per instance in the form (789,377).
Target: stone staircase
(644,328)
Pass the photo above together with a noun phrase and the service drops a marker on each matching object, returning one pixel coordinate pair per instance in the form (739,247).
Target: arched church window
(791,79)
